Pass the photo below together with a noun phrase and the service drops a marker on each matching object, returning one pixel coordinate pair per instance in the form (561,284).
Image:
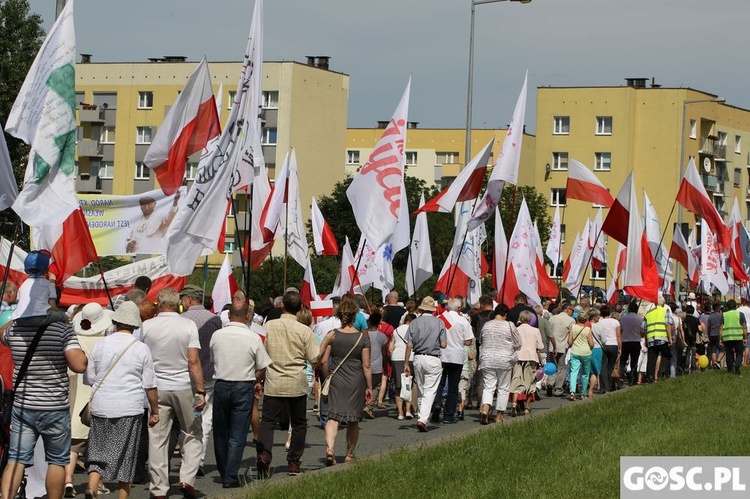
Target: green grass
(572,452)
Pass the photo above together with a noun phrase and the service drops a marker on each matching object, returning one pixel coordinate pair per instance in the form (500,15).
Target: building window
(107,135)
(145,100)
(693,129)
(107,169)
(559,161)
(446,158)
(737,177)
(555,272)
(411,158)
(228,246)
(722,139)
(602,161)
(557,197)
(191,169)
(562,233)
(599,275)
(143,134)
(268,136)
(352,157)
(230,101)
(738,144)
(270,99)
(604,125)
(561,125)
(142,172)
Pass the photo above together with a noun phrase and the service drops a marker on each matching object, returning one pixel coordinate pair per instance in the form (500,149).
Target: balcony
(91,113)
(86,183)
(710,182)
(708,145)
(88,148)
(720,152)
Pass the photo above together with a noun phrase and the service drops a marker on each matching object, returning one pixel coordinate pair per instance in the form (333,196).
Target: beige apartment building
(121,105)
(638,127)
(437,155)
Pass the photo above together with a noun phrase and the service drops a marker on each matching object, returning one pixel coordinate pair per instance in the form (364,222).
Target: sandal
(70,490)
(330,458)
(349,458)
(513,411)
(527,412)
(572,396)
(499,418)
(483,418)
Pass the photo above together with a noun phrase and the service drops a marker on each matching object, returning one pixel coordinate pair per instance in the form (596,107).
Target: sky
(690,43)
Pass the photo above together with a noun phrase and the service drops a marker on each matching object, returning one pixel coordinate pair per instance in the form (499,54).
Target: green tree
(18,48)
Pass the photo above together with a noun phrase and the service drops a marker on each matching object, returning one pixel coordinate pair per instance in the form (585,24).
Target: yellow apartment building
(121,105)
(436,155)
(639,127)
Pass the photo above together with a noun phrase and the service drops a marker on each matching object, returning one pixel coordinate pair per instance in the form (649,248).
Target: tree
(17,53)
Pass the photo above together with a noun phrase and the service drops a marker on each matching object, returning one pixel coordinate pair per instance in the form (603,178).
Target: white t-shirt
(745,310)
(121,394)
(33,298)
(237,352)
(322,328)
(169,336)
(399,344)
(459,332)
(607,331)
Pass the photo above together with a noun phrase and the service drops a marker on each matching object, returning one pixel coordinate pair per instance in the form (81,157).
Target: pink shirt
(531,343)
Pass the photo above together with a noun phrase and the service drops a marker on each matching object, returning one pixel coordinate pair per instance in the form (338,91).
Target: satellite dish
(707,164)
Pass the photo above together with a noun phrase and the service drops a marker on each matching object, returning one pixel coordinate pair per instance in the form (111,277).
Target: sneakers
(421,427)
(368,413)
(263,465)
(294,469)
(400,417)
(409,415)
(70,491)
(450,420)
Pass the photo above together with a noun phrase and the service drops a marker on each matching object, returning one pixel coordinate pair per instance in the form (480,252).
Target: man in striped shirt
(41,405)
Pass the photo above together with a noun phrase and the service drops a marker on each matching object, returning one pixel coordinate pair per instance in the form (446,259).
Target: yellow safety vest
(656,323)
(732,328)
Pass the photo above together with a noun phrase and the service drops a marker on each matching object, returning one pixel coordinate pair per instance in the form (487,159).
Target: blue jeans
(451,376)
(233,407)
(26,426)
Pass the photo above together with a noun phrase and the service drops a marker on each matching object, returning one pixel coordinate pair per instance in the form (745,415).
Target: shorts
(713,344)
(26,427)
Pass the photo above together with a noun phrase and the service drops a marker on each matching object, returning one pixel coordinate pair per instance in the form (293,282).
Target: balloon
(5,317)
(703,361)
(550,368)
(539,374)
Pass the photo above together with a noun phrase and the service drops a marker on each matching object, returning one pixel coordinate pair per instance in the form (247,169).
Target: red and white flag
(323,238)
(77,290)
(641,276)
(348,280)
(522,269)
(584,185)
(614,284)
(506,169)
(694,259)
(597,243)
(693,197)
(653,236)
(291,225)
(188,126)
(553,244)
(17,270)
(419,265)
(679,249)
(579,256)
(546,286)
(70,244)
(258,248)
(225,286)
(321,308)
(274,207)
(712,273)
(735,228)
(616,223)
(307,292)
(500,256)
(466,187)
(446,318)
(376,192)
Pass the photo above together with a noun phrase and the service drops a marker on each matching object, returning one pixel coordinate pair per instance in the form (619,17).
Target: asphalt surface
(378,436)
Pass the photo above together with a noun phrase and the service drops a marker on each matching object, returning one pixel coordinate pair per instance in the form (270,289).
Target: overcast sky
(694,43)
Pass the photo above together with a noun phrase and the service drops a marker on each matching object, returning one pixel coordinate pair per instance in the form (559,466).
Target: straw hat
(91,320)
(428,304)
(127,314)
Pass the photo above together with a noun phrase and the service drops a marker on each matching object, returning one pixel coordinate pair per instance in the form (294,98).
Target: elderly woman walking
(120,368)
(581,341)
(499,344)
(524,372)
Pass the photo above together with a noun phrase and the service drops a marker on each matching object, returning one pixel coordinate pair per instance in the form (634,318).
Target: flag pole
(559,256)
(413,275)
(658,251)
(106,288)
(249,232)
(205,273)
(286,230)
(237,239)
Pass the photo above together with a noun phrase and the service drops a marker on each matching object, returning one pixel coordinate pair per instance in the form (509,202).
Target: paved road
(377,436)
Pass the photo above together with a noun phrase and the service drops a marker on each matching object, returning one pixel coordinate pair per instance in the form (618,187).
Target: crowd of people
(121,389)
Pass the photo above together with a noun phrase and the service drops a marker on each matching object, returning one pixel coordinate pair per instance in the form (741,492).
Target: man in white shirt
(175,347)
(459,335)
(240,362)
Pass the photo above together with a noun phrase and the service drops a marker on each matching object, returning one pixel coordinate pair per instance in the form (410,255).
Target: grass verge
(573,452)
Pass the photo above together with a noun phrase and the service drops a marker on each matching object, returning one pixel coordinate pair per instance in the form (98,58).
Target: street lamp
(469,93)
(685,104)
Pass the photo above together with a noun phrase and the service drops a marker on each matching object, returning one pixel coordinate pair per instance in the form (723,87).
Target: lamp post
(685,104)
(470,91)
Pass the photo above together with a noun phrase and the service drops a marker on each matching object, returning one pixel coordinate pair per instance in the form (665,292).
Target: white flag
(222,292)
(501,253)
(8,188)
(522,255)
(376,192)
(44,116)
(419,266)
(348,280)
(506,169)
(291,226)
(553,244)
(578,259)
(711,270)
(198,224)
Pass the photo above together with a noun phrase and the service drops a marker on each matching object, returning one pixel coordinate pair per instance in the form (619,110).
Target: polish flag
(76,290)
(17,273)
(323,238)
(225,286)
(641,275)
(597,244)
(584,185)
(506,169)
(522,258)
(452,280)
(307,292)
(616,223)
(679,249)
(321,308)
(736,254)
(261,192)
(465,187)
(546,286)
(500,257)
(70,245)
(188,126)
(611,295)
(348,280)
(694,259)
(553,244)
(693,196)
(274,207)
(579,256)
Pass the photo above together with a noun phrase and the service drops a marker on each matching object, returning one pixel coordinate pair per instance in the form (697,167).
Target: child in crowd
(37,298)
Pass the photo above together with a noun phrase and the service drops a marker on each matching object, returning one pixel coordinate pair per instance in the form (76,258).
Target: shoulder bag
(325,388)
(85,413)
(9,396)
